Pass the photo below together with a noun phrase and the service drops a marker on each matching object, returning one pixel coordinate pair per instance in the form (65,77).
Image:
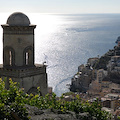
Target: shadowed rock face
(52,114)
(18,19)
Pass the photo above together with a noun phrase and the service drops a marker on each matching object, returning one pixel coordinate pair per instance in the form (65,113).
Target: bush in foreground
(12,103)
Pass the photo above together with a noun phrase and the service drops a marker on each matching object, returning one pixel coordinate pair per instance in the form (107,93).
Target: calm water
(66,41)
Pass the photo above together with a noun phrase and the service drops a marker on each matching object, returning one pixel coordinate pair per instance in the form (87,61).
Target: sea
(66,41)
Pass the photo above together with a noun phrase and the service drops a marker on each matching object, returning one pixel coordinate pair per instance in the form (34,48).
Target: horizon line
(54,13)
(62,13)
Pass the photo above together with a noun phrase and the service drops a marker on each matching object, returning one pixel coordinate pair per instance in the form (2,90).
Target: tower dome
(18,19)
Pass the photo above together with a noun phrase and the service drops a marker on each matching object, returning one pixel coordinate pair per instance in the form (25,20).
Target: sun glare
(45,23)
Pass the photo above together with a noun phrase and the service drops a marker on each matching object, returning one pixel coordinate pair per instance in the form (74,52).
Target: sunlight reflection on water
(66,41)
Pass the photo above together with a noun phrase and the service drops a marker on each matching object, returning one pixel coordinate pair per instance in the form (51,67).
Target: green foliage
(76,105)
(11,101)
(14,99)
(118,117)
(68,93)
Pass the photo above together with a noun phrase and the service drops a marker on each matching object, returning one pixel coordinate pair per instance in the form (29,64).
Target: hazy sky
(61,6)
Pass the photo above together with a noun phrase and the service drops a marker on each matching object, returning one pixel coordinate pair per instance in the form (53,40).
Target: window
(10,58)
(28,56)
(26,60)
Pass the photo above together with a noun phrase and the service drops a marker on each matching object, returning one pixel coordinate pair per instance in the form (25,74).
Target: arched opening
(34,91)
(28,56)
(8,56)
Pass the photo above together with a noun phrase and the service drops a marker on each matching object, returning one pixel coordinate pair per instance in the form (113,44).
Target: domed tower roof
(18,19)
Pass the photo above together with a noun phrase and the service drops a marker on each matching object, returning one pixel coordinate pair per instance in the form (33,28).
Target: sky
(60,6)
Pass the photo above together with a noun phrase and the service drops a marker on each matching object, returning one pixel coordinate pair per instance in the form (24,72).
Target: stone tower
(18,55)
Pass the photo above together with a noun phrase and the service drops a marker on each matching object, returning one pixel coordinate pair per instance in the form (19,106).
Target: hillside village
(100,78)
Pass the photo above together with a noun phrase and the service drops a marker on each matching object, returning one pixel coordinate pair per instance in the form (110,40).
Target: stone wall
(28,78)
(22,72)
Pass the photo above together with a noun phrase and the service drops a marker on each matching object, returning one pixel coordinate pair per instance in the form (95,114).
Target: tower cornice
(18,29)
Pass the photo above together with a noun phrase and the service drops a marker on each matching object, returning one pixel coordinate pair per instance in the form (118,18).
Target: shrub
(12,103)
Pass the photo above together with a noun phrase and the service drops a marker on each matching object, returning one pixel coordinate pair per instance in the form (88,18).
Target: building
(18,55)
(80,82)
(118,41)
(92,61)
(115,90)
(117,48)
(111,101)
(94,88)
(105,84)
(81,67)
(114,64)
(101,73)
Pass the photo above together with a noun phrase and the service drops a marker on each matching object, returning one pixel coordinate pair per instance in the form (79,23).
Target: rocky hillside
(53,114)
(113,77)
(103,61)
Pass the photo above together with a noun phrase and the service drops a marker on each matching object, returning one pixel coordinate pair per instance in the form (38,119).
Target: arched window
(28,56)
(8,56)
(34,91)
